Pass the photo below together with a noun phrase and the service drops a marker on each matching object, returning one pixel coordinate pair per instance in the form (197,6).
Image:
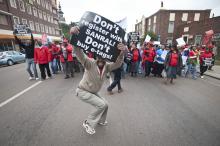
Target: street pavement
(147,113)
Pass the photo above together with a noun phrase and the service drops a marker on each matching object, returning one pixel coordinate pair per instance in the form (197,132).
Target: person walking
(91,83)
(41,57)
(192,62)
(148,58)
(67,59)
(205,61)
(173,64)
(136,58)
(117,81)
(28,46)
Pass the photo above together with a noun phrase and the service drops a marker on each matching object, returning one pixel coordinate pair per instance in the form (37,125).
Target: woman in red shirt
(205,61)
(136,57)
(173,63)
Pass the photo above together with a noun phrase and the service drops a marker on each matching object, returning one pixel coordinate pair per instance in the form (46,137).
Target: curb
(212,76)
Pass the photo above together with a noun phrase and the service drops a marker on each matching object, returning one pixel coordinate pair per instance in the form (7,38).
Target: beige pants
(101,105)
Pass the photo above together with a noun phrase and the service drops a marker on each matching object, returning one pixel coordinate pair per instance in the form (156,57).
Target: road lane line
(19,94)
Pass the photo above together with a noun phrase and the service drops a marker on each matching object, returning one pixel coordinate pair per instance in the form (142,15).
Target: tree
(65,30)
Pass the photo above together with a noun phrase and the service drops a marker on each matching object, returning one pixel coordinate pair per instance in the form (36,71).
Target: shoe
(202,77)
(67,77)
(31,78)
(120,90)
(36,79)
(88,128)
(103,124)
(110,93)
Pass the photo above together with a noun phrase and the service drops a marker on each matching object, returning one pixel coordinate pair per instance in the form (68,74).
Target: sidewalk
(215,73)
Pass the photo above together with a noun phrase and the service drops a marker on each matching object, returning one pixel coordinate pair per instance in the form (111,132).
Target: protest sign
(98,35)
(133,37)
(147,39)
(208,61)
(22,29)
(181,42)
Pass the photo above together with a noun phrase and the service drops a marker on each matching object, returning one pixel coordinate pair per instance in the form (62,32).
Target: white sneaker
(31,78)
(103,124)
(36,79)
(202,77)
(88,128)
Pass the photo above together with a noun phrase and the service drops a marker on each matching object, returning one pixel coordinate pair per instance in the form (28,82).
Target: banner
(208,37)
(133,37)
(99,35)
(22,29)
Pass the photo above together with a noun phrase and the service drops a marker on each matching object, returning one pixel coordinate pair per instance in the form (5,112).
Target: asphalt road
(147,113)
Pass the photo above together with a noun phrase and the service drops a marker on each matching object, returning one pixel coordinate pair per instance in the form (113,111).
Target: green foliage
(65,30)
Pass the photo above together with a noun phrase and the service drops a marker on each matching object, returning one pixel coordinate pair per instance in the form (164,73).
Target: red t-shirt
(135,55)
(174,59)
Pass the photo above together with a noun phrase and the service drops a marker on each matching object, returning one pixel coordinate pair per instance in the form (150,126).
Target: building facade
(40,15)
(195,31)
(164,23)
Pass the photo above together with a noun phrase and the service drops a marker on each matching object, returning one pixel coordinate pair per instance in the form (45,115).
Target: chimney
(161,4)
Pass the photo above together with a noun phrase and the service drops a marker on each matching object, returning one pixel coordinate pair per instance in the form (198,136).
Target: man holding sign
(28,46)
(91,83)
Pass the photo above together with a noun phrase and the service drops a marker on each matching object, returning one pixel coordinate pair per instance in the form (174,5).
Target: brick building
(194,32)
(40,15)
(164,23)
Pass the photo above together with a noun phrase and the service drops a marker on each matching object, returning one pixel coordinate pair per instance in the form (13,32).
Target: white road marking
(19,94)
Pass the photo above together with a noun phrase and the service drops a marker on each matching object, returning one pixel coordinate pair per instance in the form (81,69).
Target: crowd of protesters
(166,61)
(169,60)
(51,57)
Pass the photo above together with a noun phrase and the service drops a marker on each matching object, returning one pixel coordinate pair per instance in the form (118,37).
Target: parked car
(11,57)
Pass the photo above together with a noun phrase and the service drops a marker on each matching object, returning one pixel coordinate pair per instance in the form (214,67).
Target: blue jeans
(53,66)
(192,69)
(30,62)
(124,69)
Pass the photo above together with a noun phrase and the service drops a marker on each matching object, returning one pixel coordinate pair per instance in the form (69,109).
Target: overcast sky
(132,9)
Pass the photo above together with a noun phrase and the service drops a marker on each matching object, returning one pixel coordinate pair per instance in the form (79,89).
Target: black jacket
(29,49)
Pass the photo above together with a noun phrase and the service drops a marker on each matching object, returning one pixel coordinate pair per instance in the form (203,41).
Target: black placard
(98,35)
(133,37)
(22,29)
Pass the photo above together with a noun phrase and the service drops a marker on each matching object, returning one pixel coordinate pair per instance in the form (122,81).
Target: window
(43,3)
(196,17)
(21,5)
(40,14)
(149,22)
(172,17)
(45,16)
(16,20)
(37,26)
(13,3)
(29,9)
(155,19)
(42,27)
(186,29)
(48,17)
(171,27)
(154,28)
(57,32)
(46,29)
(52,20)
(31,25)
(46,5)
(38,1)
(35,11)
(198,39)
(56,22)
(50,30)
(54,11)
(3,19)
(24,21)
(31,1)
(185,17)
